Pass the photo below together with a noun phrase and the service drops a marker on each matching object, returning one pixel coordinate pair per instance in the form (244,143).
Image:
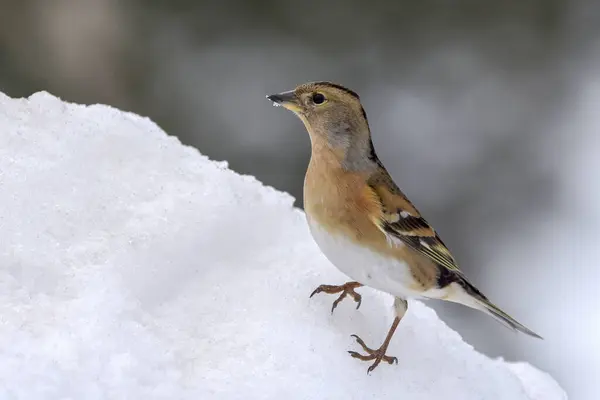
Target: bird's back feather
(401,221)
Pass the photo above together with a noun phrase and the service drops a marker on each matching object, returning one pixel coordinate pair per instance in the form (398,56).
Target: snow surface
(132,267)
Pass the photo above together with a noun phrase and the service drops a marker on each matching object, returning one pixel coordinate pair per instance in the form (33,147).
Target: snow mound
(132,267)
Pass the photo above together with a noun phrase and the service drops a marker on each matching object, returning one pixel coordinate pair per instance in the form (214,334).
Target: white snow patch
(135,268)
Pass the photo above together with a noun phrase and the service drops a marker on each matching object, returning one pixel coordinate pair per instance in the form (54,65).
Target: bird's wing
(401,221)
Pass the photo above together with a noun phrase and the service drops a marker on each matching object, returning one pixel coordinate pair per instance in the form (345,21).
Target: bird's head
(332,114)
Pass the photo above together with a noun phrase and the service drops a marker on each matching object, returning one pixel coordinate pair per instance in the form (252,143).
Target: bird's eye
(318,98)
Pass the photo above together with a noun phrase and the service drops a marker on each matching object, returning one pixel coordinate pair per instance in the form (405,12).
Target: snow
(135,267)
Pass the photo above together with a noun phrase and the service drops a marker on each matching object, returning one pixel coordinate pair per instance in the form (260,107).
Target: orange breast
(340,200)
(342,203)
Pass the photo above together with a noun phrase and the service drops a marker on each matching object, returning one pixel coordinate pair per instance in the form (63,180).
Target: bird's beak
(287,100)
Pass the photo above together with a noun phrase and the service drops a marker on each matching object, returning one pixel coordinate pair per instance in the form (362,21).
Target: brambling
(362,221)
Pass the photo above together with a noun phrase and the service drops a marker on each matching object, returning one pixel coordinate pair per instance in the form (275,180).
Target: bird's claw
(345,289)
(377,355)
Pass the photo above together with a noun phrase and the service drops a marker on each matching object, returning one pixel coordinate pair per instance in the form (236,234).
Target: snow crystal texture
(132,267)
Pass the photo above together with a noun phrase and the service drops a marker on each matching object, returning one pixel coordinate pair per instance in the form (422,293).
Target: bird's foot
(346,289)
(377,355)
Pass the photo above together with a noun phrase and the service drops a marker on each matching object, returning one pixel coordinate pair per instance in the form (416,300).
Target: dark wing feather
(400,220)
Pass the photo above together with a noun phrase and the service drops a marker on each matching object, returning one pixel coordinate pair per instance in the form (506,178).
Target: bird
(364,224)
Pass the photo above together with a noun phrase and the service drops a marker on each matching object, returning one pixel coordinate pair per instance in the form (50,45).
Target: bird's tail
(480,302)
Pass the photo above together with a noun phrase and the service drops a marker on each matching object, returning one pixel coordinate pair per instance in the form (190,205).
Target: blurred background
(485,112)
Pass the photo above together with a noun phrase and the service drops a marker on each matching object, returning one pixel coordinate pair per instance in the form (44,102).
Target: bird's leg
(378,355)
(346,289)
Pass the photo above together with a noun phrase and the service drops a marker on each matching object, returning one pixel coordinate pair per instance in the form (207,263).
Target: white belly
(364,265)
